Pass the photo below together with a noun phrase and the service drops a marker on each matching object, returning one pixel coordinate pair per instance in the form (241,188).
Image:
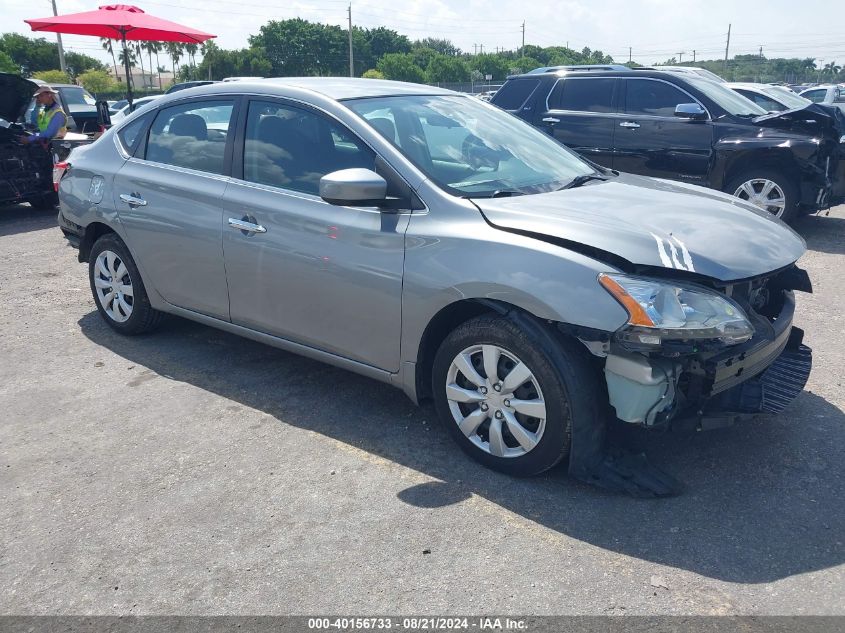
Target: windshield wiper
(499,193)
(581,180)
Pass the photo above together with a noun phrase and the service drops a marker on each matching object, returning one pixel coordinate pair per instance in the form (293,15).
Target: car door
(321,275)
(580,113)
(650,140)
(169,202)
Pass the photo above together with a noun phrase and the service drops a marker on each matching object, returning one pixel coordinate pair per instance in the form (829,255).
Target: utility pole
(351,64)
(629,54)
(475,49)
(522,50)
(727,46)
(681,57)
(693,56)
(761,52)
(481,48)
(62,64)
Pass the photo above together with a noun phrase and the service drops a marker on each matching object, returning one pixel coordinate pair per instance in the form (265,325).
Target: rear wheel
(45,202)
(117,287)
(508,396)
(768,190)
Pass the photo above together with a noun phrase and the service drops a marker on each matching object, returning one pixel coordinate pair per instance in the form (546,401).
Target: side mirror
(691,111)
(354,188)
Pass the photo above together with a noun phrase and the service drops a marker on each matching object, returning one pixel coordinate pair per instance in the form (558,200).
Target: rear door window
(653,98)
(514,94)
(583,94)
(191,135)
(816,96)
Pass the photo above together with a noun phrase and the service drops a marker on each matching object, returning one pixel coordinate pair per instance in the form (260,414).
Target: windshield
(785,96)
(78,96)
(470,148)
(730,101)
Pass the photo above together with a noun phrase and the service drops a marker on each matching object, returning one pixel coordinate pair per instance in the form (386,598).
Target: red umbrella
(123,22)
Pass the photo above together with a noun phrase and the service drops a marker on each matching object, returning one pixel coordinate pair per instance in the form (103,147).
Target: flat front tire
(118,289)
(508,396)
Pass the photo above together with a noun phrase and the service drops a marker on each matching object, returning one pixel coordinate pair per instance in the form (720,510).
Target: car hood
(654,223)
(15,95)
(813,119)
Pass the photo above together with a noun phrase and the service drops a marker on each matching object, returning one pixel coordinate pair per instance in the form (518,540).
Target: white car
(768,97)
(125,112)
(829,95)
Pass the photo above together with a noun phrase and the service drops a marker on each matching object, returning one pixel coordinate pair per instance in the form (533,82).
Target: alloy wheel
(764,194)
(496,401)
(113,286)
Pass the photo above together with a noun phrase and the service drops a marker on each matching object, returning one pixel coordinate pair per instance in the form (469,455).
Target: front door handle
(246,226)
(629,124)
(133,200)
(551,119)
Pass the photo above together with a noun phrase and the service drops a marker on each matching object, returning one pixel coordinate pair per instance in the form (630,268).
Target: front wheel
(508,396)
(768,190)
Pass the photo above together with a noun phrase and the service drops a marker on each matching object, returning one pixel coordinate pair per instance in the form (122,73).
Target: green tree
(384,41)
(298,47)
(522,65)
(401,67)
(52,76)
(422,56)
(32,55)
(490,64)
(442,46)
(108,46)
(7,65)
(95,81)
(446,69)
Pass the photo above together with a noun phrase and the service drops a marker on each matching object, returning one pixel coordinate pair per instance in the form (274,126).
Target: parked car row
(684,127)
(432,241)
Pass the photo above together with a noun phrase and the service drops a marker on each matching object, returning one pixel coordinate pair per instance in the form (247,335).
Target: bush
(372,73)
(95,81)
(52,77)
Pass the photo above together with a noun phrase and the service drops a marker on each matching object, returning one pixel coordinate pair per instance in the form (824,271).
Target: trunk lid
(15,95)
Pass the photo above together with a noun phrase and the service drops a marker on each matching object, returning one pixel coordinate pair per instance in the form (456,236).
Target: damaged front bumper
(713,389)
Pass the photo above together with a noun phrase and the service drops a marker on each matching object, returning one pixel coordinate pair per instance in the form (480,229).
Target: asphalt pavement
(193,472)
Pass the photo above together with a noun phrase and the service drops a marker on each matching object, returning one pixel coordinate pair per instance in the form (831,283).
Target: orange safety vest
(45,116)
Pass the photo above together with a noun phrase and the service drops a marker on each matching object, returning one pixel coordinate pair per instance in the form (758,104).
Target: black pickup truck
(690,129)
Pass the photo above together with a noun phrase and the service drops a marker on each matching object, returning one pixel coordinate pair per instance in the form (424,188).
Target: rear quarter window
(514,94)
(129,135)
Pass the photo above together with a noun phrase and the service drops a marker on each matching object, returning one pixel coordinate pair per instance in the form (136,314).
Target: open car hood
(654,223)
(815,119)
(15,95)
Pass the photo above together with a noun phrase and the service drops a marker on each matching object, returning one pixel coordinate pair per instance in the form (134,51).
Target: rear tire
(118,289)
(769,190)
(43,203)
(526,426)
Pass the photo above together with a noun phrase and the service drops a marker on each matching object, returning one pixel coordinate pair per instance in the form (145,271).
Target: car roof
(337,88)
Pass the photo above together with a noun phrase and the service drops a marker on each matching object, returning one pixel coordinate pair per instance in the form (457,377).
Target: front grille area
(785,379)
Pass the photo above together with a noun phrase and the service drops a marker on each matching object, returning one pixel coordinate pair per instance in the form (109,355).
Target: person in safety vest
(48,116)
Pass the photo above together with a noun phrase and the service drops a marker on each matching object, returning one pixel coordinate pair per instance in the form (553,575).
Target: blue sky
(654,29)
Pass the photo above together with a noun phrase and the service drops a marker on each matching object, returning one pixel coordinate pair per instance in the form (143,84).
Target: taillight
(59,170)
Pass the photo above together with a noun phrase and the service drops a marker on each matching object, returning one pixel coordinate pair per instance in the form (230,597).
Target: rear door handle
(133,200)
(551,119)
(629,124)
(245,225)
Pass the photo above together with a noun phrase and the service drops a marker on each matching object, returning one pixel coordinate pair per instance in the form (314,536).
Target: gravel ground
(194,472)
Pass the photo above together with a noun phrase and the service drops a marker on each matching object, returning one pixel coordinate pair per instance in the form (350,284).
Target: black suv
(686,128)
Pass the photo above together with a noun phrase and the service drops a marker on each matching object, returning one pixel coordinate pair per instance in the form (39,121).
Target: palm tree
(139,49)
(174,49)
(192,51)
(127,54)
(158,48)
(150,47)
(107,46)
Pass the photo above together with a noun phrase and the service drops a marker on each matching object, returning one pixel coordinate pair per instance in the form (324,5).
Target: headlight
(659,310)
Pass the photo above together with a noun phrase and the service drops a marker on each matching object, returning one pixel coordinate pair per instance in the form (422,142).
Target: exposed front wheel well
(92,233)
